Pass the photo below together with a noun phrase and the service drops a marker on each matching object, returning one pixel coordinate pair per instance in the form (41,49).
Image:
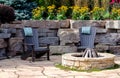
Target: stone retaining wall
(66,33)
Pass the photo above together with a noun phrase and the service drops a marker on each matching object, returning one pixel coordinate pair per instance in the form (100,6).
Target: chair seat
(81,47)
(41,49)
(84,47)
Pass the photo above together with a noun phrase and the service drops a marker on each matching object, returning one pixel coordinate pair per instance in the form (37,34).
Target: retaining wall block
(68,36)
(49,40)
(62,49)
(79,23)
(110,38)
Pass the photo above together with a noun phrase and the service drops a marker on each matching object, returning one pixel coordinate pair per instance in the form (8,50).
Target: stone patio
(17,68)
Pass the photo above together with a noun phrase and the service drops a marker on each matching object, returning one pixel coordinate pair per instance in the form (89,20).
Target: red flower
(114,1)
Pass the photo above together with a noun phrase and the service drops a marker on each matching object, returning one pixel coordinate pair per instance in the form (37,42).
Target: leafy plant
(115,14)
(97,13)
(37,13)
(61,13)
(75,12)
(80,13)
(106,15)
(84,13)
(51,12)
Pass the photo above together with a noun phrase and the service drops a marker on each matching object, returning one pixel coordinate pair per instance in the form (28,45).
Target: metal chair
(87,40)
(31,46)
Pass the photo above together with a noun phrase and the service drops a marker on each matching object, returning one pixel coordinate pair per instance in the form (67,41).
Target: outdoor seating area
(59,39)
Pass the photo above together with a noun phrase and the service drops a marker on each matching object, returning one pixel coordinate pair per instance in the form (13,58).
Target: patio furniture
(31,44)
(87,37)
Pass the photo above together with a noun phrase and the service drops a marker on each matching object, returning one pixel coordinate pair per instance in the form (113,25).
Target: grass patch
(66,68)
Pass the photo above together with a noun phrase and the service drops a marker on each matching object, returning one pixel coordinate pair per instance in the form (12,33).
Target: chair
(31,45)
(86,39)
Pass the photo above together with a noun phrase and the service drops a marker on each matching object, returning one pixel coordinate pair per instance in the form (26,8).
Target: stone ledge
(62,49)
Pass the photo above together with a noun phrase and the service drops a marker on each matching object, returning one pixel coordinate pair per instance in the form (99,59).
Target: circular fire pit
(105,60)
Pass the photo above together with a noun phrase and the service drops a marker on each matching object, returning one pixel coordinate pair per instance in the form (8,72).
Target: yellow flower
(51,8)
(37,12)
(83,10)
(62,9)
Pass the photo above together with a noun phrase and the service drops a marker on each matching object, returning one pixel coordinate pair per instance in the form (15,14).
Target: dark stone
(15,45)
(49,40)
(2,43)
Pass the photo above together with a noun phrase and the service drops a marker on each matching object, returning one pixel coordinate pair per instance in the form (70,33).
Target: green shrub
(22,8)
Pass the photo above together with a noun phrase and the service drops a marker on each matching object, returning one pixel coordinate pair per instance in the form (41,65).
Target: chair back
(87,40)
(32,39)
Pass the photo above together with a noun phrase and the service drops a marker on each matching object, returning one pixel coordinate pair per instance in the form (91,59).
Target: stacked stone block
(65,33)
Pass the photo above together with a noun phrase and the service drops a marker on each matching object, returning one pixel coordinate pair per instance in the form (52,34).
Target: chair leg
(25,55)
(33,56)
(48,55)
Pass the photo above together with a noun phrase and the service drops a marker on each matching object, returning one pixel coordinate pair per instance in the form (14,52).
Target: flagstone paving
(17,68)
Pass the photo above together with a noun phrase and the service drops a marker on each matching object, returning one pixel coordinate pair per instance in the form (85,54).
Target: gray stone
(42,35)
(79,23)
(101,30)
(64,23)
(115,49)
(38,23)
(26,22)
(47,32)
(68,36)
(102,47)
(62,49)
(43,30)
(111,30)
(17,22)
(113,24)
(99,24)
(76,23)
(34,23)
(52,24)
(2,53)
(118,31)
(12,25)
(49,40)
(15,45)
(12,30)
(52,34)
(18,33)
(110,38)
(4,35)
(2,43)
